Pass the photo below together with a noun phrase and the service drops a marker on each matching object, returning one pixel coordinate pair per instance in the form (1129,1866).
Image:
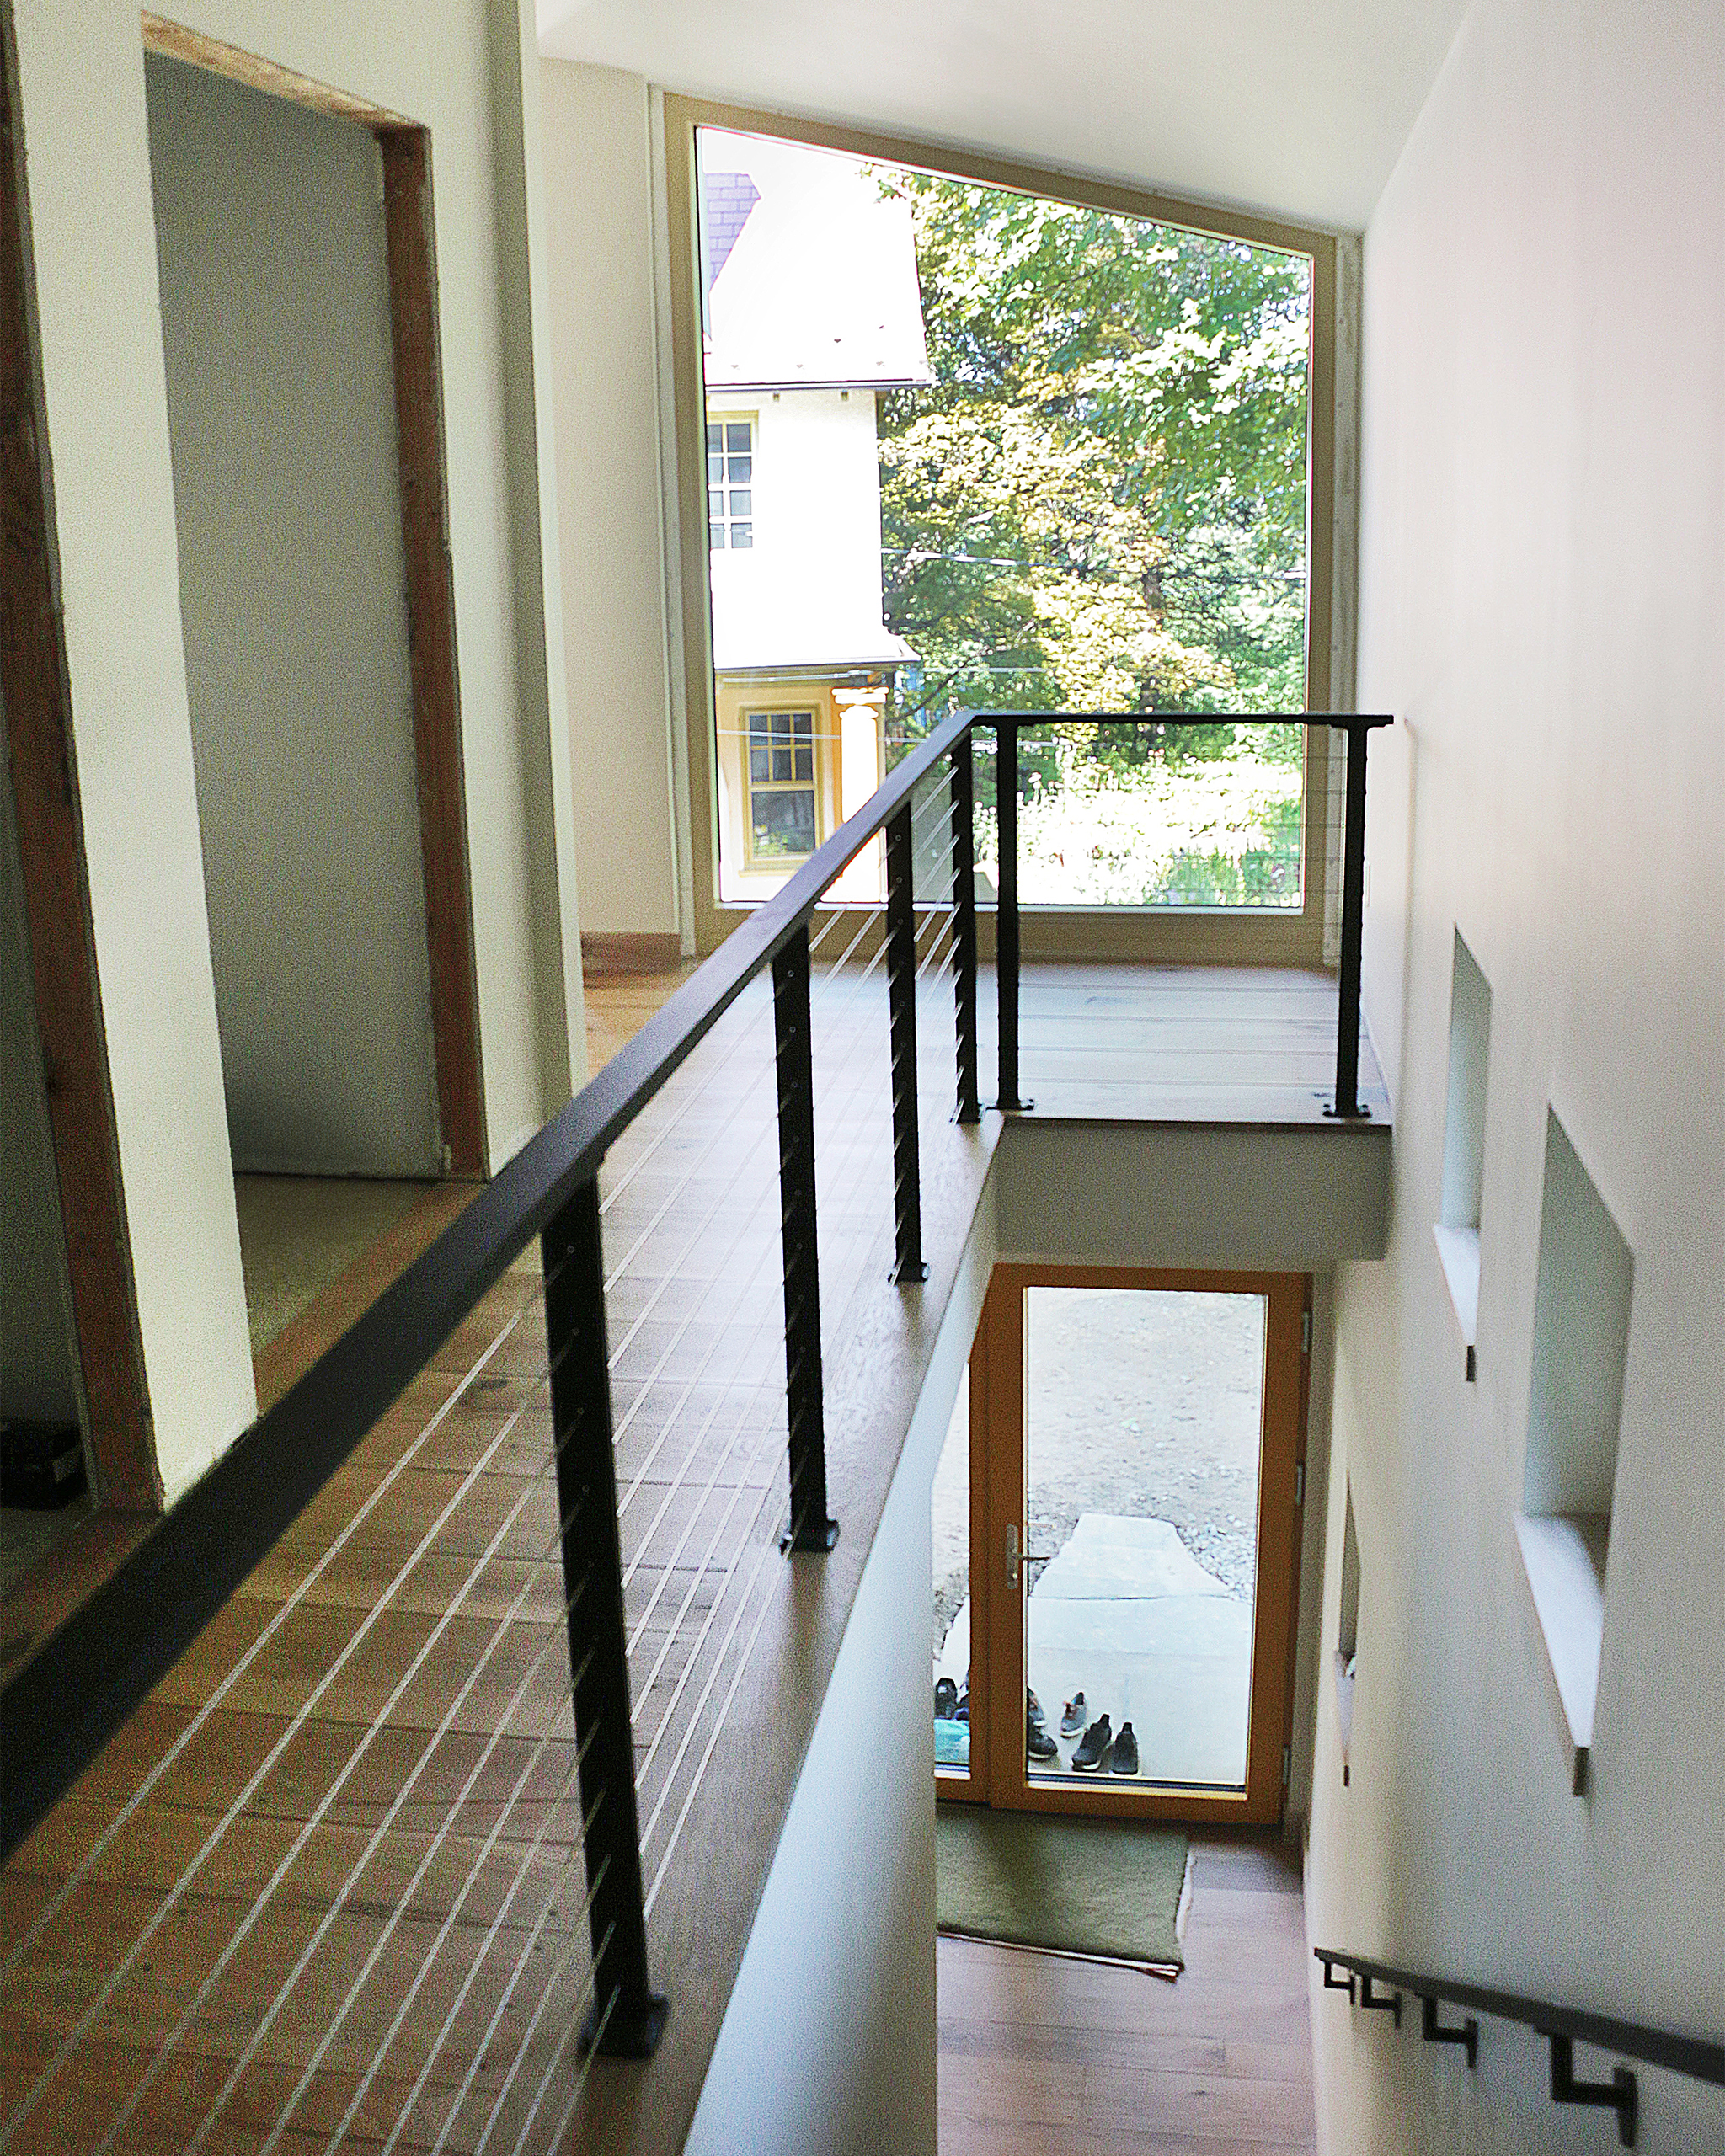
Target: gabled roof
(813,283)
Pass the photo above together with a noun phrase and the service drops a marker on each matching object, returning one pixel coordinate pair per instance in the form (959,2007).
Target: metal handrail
(59,1708)
(1701,2058)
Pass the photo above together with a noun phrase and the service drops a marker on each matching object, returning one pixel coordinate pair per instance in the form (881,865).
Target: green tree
(1101,503)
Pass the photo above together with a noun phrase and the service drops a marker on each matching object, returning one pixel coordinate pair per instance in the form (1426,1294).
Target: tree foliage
(1101,503)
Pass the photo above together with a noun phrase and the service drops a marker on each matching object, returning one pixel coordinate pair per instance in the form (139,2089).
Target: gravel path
(1143,1403)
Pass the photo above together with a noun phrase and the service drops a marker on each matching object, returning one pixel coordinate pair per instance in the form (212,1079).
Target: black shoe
(946,1700)
(1072,1721)
(1037,1743)
(1092,1755)
(1125,1759)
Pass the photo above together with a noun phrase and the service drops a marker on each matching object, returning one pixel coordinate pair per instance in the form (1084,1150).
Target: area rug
(1106,1889)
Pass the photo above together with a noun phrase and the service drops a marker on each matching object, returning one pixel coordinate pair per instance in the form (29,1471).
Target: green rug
(1102,1887)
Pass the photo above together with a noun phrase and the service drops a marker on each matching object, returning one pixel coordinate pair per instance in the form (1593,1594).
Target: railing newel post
(1006,787)
(628,2016)
(901,1004)
(810,1528)
(969,1107)
(1346,1105)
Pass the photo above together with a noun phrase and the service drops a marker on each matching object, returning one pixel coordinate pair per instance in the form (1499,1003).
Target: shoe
(962,1711)
(1092,1755)
(1072,1720)
(1125,1759)
(1037,1741)
(946,1700)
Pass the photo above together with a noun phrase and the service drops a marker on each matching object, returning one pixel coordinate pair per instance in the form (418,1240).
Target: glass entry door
(1133,1583)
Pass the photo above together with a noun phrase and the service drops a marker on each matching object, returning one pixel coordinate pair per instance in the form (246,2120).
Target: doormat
(1107,1889)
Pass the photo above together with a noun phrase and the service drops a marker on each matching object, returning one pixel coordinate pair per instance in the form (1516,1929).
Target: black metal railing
(61,1706)
(1380,1986)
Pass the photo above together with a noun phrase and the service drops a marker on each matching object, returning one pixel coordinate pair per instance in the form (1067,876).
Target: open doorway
(1115,1534)
(294,249)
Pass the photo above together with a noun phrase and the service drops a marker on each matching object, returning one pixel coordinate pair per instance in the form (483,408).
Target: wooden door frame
(66,988)
(998,1459)
(445,870)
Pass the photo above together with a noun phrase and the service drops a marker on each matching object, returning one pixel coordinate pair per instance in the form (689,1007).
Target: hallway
(1045,2055)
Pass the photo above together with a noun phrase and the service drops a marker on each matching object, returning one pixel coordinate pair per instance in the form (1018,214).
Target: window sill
(1458,1250)
(1563,1561)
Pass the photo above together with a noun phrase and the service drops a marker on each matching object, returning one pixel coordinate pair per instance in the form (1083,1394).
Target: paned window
(730,481)
(781,784)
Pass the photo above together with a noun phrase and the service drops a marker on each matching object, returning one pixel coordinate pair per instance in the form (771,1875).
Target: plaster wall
(38,1358)
(1543,550)
(84,121)
(602,327)
(281,414)
(829,2038)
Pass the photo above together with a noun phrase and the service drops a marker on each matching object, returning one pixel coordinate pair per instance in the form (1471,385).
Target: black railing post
(969,1107)
(1346,1105)
(1005,957)
(901,1007)
(628,2016)
(810,1527)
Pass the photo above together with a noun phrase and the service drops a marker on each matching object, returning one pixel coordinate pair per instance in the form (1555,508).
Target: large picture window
(1032,444)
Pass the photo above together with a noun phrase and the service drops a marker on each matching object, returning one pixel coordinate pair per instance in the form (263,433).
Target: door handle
(1011,1539)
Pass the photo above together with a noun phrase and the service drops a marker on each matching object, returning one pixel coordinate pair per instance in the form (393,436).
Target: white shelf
(1563,1560)
(1458,1251)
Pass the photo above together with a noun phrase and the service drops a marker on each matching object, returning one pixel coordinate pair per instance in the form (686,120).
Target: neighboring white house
(812,309)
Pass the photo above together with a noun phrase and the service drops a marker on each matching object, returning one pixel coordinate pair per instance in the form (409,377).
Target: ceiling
(1298,108)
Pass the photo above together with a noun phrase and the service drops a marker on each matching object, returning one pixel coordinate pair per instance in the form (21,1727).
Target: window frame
(1145,935)
(749,713)
(722,421)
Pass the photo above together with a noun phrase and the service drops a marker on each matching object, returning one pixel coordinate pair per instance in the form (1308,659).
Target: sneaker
(1092,1753)
(962,1711)
(1125,1759)
(1034,1714)
(1072,1719)
(1037,1743)
(946,1700)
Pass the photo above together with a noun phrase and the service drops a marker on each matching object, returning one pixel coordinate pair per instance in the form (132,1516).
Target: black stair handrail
(1701,2059)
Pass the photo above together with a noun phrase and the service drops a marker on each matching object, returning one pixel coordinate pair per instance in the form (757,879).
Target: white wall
(39,1378)
(84,124)
(808,591)
(605,376)
(1543,558)
(281,416)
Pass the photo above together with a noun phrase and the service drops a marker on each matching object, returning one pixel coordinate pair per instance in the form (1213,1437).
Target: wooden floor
(1041,2055)
(326,1885)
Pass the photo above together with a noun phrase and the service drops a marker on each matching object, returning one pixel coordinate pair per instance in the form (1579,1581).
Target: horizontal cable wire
(841,992)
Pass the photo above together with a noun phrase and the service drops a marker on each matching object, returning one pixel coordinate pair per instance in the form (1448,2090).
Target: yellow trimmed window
(782,822)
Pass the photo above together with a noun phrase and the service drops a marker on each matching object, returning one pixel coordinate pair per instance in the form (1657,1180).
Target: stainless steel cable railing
(660,1415)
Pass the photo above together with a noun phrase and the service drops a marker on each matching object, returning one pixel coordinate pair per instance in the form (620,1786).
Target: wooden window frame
(750,713)
(997,1775)
(1147,934)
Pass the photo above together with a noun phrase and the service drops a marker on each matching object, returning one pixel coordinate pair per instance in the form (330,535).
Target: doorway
(299,329)
(1115,1635)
